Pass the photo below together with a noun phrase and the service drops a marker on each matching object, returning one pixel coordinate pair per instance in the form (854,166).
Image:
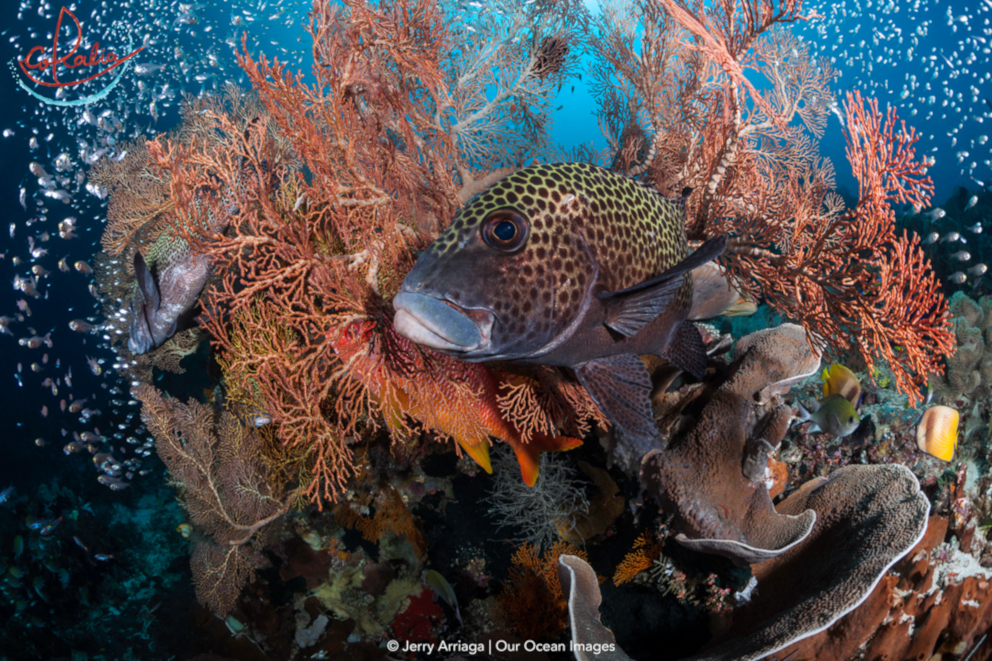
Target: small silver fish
(7,494)
(958,278)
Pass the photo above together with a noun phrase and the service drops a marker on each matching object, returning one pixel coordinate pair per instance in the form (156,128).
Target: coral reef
(867,518)
(689,117)
(334,185)
(937,600)
(534,587)
(712,476)
(215,462)
(968,377)
(538,515)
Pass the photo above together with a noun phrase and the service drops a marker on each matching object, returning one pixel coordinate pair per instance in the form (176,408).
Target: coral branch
(674,108)
(216,464)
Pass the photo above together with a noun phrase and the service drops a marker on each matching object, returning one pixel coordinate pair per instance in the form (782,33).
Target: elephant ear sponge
(867,518)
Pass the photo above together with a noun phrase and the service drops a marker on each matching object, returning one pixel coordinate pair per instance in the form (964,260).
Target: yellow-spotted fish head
(522,262)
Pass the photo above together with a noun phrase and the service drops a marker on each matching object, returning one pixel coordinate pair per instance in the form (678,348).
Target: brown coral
(214,460)
(712,476)
(642,556)
(531,600)
(868,517)
(969,369)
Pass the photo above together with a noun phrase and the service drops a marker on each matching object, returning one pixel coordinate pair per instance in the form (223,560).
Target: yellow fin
(479,451)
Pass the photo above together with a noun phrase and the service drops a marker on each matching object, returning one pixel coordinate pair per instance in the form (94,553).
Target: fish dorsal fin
(146,284)
(631,309)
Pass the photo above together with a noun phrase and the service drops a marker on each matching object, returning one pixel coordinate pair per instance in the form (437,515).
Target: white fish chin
(410,327)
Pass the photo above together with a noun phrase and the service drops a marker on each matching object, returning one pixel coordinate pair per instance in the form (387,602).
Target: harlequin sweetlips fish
(167,286)
(565,264)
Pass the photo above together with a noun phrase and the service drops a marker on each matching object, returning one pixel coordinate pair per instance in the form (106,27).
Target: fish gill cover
(277,222)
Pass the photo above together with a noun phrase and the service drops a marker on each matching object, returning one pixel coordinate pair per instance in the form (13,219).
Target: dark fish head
(151,324)
(509,274)
(140,340)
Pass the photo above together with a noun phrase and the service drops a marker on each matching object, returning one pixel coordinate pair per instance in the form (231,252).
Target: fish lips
(442,325)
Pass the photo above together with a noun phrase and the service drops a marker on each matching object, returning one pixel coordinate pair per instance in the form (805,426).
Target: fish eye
(851,419)
(505,230)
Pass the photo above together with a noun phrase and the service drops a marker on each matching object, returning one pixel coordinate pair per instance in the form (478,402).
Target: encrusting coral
(712,476)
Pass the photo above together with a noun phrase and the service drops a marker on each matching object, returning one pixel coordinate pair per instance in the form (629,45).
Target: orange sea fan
(644,552)
(673,71)
(531,599)
(450,397)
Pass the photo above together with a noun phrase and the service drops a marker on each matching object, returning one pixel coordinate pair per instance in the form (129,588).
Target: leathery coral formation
(712,476)
(936,601)
(969,370)
(839,534)
(868,517)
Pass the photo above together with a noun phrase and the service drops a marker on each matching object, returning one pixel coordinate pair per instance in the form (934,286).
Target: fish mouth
(440,324)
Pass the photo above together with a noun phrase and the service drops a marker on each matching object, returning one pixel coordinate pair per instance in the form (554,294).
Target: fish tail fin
(529,454)
(801,411)
(479,452)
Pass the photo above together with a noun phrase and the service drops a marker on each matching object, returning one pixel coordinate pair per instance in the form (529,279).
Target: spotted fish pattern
(563,264)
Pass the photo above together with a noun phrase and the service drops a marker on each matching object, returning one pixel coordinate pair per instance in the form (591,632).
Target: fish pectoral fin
(529,459)
(687,351)
(631,309)
(621,387)
(146,284)
(628,313)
